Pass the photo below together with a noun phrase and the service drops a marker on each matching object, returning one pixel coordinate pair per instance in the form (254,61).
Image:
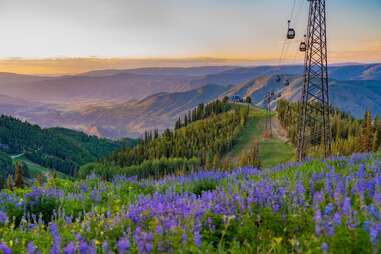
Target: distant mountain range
(118,103)
(352,96)
(130,118)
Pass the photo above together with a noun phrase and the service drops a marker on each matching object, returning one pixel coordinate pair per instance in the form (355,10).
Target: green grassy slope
(272,151)
(35,169)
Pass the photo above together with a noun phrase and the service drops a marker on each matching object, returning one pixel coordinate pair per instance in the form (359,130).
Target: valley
(121,103)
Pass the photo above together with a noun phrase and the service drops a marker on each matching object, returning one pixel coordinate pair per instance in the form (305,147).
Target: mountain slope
(117,103)
(121,86)
(353,96)
(131,118)
(245,74)
(136,84)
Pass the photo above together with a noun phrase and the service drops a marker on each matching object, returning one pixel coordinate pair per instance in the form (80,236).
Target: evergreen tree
(19,182)
(10,183)
(367,134)
(2,183)
(248,100)
(178,124)
(377,131)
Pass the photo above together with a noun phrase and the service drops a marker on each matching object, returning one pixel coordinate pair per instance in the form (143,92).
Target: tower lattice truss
(314,126)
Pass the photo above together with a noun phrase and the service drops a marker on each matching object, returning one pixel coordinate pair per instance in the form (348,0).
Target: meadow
(320,206)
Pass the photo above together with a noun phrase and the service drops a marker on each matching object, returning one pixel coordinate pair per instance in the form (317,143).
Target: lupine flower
(105,247)
(69,248)
(53,229)
(83,248)
(337,219)
(374,232)
(328,209)
(346,208)
(123,246)
(5,249)
(318,221)
(324,248)
(3,217)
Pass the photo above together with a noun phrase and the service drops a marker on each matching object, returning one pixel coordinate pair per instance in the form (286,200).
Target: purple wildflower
(324,248)
(328,209)
(337,219)
(374,232)
(83,248)
(3,217)
(69,248)
(5,249)
(123,246)
(347,208)
(55,248)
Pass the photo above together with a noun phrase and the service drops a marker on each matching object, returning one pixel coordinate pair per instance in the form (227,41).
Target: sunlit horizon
(73,66)
(52,37)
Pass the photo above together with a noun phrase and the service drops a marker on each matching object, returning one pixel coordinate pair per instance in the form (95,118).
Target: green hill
(6,166)
(217,135)
(54,148)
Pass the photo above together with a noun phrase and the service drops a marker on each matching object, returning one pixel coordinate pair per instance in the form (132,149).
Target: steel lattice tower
(314,109)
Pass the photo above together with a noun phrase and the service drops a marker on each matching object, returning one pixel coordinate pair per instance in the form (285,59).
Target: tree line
(204,134)
(348,135)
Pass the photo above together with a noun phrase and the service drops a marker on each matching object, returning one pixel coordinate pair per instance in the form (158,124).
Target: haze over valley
(126,103)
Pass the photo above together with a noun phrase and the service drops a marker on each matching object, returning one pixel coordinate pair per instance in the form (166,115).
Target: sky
(59,36)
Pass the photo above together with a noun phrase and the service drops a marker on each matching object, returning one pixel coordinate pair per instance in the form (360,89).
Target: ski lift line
(296,16)
(293,9)
(285,40)
(293,16)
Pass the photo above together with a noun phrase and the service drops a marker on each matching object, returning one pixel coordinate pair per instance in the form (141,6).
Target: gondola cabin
(303,47)
(291,32)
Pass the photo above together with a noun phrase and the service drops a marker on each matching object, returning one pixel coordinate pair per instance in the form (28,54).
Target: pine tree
(377,132)
(178,124)
(19,182)
(10,182)
(367,134)
(2,183)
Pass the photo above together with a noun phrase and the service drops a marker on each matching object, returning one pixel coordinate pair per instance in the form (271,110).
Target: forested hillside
(56,148)
(349,135)
(5,164)
(201,137)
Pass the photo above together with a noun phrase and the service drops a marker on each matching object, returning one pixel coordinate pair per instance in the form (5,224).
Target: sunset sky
(134,33)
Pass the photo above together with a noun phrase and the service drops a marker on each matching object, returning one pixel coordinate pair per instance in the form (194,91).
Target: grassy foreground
(315,207)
